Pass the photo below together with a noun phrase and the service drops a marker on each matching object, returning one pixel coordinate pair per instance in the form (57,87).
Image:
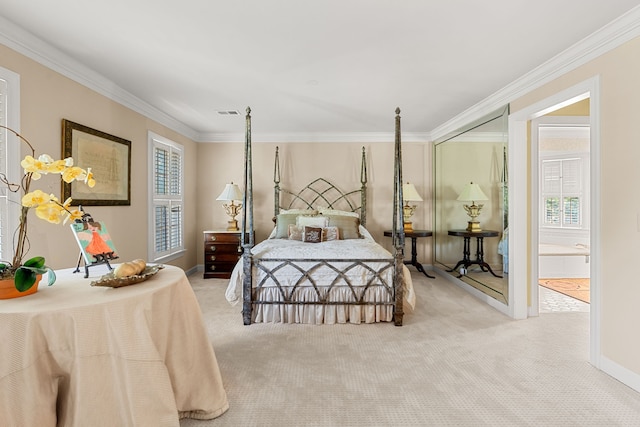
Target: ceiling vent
(229,113)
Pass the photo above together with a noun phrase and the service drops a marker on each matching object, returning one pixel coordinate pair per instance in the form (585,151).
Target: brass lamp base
(232,225)
(473,226)
(408,227)
(232,210)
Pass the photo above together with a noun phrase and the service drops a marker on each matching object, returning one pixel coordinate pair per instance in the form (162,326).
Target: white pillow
(312,221)
(327,211)
(299,211)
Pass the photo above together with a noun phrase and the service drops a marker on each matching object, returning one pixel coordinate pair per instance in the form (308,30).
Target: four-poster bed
(320,264)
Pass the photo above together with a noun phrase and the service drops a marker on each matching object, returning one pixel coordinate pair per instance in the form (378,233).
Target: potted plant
(24,274)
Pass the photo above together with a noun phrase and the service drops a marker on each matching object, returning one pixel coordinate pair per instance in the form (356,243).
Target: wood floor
(575,288)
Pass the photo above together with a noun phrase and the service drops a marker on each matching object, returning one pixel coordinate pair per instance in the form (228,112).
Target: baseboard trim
(620,373)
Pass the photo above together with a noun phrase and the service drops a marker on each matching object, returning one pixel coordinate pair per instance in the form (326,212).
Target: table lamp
(409,194)
(472,192)
(230,193)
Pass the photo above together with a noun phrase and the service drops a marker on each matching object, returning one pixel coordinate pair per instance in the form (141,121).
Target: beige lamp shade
(230,193)
(472,192)
(409,194)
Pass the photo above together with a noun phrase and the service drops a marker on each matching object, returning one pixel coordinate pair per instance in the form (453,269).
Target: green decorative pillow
(349,227)
(282,225)
(312,234)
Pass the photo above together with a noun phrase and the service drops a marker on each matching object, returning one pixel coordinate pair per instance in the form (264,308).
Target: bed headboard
(322,192)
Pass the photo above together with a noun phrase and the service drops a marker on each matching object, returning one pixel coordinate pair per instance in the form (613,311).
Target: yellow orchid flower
(32,166)
(51,212)
(35,198)
(89,180)
(73,215)
(57,166)
(73,173)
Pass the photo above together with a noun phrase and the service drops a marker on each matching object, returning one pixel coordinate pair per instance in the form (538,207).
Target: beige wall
(619,210)
(300,163)
(46,98)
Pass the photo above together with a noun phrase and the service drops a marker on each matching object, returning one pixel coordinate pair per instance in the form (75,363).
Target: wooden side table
(414,236)
(222,250)
(466,260)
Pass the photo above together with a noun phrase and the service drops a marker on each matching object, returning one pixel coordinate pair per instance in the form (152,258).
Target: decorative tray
(109,280)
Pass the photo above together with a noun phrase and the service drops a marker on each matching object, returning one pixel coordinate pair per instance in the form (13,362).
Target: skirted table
(76,355)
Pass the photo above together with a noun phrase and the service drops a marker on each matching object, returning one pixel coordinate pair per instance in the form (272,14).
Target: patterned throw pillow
(295,232)
(312,234)
(330,233)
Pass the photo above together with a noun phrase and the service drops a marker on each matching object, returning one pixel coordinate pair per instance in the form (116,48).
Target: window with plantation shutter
(561,191)
(9,160)
(166,222)
(5,250)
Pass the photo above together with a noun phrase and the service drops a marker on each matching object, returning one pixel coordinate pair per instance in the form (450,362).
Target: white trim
(12,150)
(328,137)
(499,306)
(609,37)
(154,140)
(42,52)
(622,374)
(524,248)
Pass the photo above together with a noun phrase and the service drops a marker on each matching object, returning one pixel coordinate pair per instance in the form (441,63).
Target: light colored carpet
(455,362)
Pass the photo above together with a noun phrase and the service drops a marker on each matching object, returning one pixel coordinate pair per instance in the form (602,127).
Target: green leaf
(24,279)
(37,262)
(51,276)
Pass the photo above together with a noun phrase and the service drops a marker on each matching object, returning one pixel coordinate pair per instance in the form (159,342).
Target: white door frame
(523,220)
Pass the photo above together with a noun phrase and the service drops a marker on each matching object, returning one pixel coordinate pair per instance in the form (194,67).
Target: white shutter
(166,225)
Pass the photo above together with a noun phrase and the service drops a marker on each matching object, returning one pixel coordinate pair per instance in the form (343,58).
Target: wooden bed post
(247,225)
(398,227)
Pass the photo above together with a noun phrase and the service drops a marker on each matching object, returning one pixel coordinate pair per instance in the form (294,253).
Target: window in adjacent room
(166,216)
(562,198)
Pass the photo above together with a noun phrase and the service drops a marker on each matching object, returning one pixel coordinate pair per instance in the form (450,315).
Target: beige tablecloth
(76,355)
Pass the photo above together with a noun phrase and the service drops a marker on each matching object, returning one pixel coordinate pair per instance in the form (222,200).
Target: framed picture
(109,158)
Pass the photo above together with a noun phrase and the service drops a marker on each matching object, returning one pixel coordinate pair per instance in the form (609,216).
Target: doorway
(563,146)
(524,205)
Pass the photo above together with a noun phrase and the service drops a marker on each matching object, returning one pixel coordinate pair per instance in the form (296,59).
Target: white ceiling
(310,71)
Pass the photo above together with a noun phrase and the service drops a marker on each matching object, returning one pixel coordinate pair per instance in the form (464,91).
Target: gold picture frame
(109,158)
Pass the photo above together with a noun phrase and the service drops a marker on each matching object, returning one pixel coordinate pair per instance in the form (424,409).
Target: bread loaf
(130,268)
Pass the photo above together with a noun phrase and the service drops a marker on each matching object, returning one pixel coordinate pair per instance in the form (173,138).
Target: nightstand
(414,235)
(222,250)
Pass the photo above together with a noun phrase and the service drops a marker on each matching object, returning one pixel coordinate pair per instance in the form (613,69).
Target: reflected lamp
(409,194)
(231,193)
(472,193)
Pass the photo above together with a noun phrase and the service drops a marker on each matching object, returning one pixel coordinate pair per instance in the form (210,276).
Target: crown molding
(323,137)
(45,54)
(612,35)
(609,37)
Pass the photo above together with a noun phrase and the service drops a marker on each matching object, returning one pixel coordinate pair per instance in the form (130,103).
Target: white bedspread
(361,249)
